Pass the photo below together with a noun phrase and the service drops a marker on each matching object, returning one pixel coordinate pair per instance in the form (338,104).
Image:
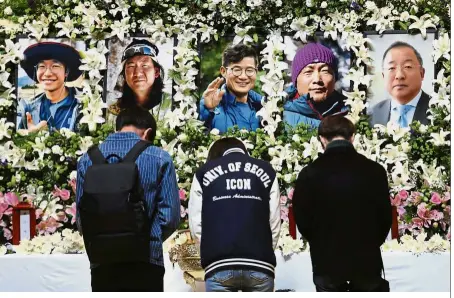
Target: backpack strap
(138,148)
(96,156)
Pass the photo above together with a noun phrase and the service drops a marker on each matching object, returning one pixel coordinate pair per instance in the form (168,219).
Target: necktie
(403,109)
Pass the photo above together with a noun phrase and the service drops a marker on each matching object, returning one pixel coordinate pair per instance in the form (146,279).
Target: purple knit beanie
(311,53)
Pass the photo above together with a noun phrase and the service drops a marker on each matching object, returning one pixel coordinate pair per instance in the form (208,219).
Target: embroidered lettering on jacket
(218,171)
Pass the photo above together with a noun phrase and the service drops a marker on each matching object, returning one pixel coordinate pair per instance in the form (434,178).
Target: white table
(70,273)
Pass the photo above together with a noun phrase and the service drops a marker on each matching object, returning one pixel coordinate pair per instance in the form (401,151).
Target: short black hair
(219,147)
(336,126)
(236,53)
(401,44)
(139,118)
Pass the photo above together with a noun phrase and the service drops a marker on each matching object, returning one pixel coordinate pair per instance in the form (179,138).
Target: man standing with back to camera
(341,206)
(234,213)
(126,215)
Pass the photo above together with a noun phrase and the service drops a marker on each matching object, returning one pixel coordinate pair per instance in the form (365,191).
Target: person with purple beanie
(312,96)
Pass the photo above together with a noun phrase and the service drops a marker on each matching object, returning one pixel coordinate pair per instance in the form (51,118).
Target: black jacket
(234,213)
(341,206)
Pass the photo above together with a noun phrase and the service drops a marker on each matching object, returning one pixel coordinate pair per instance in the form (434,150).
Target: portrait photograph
(342,63)
(315,80)
(47,81)
(230,90)
(211,61)
(402,76)
(137,73)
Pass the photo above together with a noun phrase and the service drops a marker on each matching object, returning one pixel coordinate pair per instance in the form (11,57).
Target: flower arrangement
(39,167)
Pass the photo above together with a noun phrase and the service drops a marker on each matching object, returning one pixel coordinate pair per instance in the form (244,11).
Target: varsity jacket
(234,200)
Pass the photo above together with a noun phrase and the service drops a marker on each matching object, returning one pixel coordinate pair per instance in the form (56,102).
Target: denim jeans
(364,284)
(239,280)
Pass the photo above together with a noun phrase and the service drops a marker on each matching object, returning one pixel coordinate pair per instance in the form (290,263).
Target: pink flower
(73,184)
(284,213)
(183,211)
(401,210)
(11,199)
(283,200)
(39,213)
(290,193)
(3,207)
(182,195)
(448,210)
(63,194)
(72,211)
(417,222)
(48,226)
(436,199)
(423,212)
(7,234)
(436,215)
(403,194)
(446,197)
(396,201)
(416,197)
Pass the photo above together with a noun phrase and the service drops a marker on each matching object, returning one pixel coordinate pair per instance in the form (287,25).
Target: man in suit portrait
(403,73)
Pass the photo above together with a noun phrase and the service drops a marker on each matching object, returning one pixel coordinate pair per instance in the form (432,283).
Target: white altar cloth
(70,273)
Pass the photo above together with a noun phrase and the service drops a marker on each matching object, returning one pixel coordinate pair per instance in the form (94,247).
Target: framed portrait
(382,84)
(47,80)
(343,58)
(129,71)
(211,61)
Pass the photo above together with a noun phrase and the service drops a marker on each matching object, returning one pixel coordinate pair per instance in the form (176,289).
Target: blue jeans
(239,280)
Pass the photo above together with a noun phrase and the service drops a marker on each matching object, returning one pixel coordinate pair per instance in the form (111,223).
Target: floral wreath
(417,158)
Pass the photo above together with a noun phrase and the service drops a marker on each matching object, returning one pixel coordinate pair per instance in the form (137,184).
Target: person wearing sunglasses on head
(143,77)
(225,105)
(51,65)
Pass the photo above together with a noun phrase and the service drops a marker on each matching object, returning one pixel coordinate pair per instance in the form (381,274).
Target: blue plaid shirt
(164,198)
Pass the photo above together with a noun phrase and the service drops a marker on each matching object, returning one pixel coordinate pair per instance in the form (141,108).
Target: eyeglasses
(54,68)
(238,71)
(407,68)
(138,49)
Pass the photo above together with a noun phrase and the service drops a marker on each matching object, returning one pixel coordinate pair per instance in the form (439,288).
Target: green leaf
(255,37)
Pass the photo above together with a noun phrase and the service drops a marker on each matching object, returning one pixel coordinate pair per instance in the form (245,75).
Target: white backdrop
(70,273)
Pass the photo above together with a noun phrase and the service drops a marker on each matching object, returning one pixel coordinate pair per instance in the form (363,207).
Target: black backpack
(114,218)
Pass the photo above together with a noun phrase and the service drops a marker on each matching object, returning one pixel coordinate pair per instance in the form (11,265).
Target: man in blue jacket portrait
(312,95)
(230,100)
(52,65)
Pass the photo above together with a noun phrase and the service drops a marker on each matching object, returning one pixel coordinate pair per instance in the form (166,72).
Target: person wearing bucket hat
(142,77)
(50,64)
(312,96)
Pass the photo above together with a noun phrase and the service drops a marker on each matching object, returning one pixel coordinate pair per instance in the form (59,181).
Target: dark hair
(128,98)
(234,54)
(336,126)
(219,147)
(401,44)
(138,117)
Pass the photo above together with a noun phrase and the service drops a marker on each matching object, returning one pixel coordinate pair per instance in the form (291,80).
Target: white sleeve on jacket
(195,210)
(275,212)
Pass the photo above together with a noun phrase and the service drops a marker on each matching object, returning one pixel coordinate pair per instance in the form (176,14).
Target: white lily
(242,36)
(439,139)
(422,24)
(442,48)
(5,131)
(121,28)
(67,27)
(302,29)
